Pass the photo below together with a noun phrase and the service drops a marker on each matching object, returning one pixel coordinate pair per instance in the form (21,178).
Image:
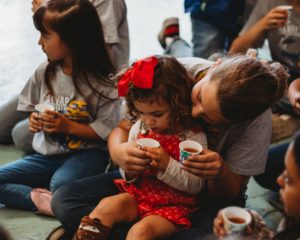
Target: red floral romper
(153,196)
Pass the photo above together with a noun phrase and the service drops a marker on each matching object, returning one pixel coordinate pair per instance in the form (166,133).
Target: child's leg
(110,210)
(151,227)
(18,178)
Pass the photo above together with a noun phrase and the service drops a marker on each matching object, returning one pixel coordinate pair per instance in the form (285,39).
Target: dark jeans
(18,178)
(74,200)
(274,167)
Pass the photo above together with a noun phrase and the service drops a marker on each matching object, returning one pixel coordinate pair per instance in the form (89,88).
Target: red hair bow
(141,74)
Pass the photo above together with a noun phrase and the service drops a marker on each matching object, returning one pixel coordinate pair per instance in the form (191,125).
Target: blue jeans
(74,200)
(17,179)
(207,39)
(179,48)
(274,167)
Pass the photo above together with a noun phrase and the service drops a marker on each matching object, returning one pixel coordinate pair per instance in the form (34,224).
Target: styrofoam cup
(147,142)
(42,107)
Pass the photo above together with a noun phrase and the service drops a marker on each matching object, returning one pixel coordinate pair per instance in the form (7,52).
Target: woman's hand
(54,122)
(207,165)
(275,18)
(34,122)
(160,158)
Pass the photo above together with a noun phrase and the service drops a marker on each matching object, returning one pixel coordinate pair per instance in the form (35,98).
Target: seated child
(157,92)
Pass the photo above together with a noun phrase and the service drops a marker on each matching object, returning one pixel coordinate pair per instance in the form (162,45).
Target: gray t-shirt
(284,42)
(113,16)
(244,146)
(101,114)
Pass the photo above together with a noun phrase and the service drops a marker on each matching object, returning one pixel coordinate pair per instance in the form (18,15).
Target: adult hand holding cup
(188,148)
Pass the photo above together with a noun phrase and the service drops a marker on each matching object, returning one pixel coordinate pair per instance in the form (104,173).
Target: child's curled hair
(171,84)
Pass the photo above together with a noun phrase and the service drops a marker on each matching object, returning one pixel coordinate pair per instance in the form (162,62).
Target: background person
(113,15)
(70,142)
(275,162)
(289,182)
(268,21)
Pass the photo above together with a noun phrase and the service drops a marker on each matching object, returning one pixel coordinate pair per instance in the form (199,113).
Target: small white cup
(188,148)
(289,9)
(147,142)
(236,219)
(42,107)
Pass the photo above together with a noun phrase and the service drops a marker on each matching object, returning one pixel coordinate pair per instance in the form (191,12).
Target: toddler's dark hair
(172,85)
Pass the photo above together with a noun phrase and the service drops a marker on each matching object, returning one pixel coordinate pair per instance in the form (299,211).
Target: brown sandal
(92,229)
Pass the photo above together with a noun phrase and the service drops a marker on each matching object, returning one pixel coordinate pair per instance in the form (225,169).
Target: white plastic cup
(236,219)
(42,107)
(147,142)
(289,9)
(188,148)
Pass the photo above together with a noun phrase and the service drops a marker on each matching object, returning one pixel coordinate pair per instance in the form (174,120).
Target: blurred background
(20,54)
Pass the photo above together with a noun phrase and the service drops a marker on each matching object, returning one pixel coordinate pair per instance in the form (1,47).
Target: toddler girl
(157,92)
(69,141)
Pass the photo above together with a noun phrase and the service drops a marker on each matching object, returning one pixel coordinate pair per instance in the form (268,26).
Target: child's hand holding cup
(41,108)
(148,142)
(189,148)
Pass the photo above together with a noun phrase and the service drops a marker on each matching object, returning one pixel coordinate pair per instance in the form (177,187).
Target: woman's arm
(244,148)
(275,18)
(220,179)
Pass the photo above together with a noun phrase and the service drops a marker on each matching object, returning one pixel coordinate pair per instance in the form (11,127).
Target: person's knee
(113,206)
(59,200)
(22,137)
(140,230)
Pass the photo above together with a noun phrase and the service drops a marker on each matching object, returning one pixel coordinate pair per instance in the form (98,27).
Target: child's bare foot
(42,199)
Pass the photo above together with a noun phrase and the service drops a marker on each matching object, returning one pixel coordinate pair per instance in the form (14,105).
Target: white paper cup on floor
(188,148)
(236,219)
(147,142)
(42,107)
